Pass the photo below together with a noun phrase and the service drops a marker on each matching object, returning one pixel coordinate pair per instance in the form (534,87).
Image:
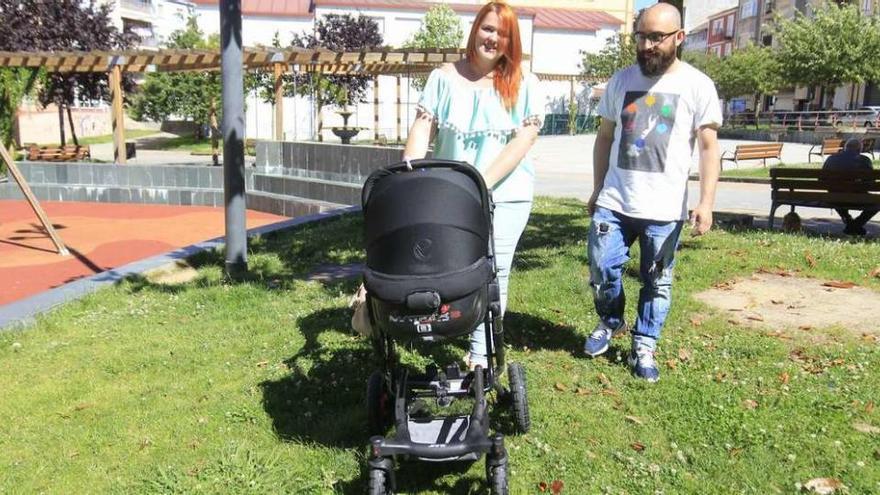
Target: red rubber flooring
(100,236)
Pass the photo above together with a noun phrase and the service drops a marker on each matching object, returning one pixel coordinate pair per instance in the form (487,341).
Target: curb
(21,314)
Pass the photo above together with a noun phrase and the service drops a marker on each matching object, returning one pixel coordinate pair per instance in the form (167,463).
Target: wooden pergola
(373,63)
(391,62)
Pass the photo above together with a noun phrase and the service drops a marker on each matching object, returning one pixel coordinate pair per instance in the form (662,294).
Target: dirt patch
(175,273)
(779,302)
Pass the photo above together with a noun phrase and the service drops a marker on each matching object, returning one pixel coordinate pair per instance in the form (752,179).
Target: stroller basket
(429,269)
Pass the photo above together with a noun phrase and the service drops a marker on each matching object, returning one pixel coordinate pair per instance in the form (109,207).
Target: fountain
(345,133)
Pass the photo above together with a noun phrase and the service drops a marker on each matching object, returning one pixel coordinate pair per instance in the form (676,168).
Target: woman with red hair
(485,111)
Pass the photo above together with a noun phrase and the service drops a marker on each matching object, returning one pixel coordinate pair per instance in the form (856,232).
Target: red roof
(575,20)
(544,18)
(276,8)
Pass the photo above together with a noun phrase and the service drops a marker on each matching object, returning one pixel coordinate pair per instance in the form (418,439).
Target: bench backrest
(768,150)
(831,146)
(832,186)
(53,154)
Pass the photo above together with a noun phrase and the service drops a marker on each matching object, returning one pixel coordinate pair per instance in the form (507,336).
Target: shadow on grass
(527,331)
(550,231)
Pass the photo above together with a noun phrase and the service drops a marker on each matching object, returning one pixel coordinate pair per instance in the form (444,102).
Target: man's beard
(656,63)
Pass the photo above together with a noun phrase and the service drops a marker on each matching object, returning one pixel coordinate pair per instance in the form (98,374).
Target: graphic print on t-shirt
(647,120)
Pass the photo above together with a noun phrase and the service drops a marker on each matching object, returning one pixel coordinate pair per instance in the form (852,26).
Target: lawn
(258,387)
(108,138)
(764,172)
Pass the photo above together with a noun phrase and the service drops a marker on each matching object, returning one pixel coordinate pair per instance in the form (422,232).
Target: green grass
(258,387)
(764,173)
(108,138)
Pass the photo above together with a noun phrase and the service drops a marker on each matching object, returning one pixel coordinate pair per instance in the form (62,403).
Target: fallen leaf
(556,487)
(805,327)
(634,419)
(560,386)
(733,321)
(604,380)
(696,320)
(720,376)
(735,451)
(684,355)
(839,284)
(869,407)
(542,486)
(262,364)
(875,272)
(783,377)
(823,486)
(867,337)
(637,446)
(671,363)
(582,391)
(750,404)
(866,428)
(810,260)
(755,317)
(80,407)
(777,301)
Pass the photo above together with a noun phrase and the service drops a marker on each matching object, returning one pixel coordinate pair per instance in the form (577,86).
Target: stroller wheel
(519,398)
(380,482)
(497,478)
(377,404)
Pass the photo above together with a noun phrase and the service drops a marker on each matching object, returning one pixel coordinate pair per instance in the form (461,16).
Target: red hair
(508,73)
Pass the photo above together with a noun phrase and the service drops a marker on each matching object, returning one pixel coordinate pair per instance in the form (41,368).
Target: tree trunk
(61,123)
(757,108)
(72,128)
(215,143)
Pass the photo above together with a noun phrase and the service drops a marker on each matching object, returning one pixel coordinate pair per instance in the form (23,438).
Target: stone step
(334,192)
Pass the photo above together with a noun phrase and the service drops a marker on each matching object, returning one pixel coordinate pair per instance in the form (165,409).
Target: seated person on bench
(850,158)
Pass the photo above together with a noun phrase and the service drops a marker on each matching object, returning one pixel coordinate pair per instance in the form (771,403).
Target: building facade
(721,33)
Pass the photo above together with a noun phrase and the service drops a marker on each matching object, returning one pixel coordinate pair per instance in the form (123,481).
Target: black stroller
(430,275)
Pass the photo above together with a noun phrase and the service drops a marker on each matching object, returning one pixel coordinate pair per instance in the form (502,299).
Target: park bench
(816,188)
(828,147)
(753,152)
(58,154)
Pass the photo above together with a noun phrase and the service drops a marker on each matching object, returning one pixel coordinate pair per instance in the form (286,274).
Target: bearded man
(652,115)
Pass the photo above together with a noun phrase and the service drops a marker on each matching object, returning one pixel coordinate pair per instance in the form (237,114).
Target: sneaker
(597,343)
(641,360)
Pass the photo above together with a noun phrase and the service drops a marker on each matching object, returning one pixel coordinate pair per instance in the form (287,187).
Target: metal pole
(233,137)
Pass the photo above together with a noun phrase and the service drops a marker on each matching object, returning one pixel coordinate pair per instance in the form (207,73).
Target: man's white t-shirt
(657,119)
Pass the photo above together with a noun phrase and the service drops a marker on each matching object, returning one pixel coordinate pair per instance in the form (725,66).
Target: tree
(37,25)
(838,45)
(619,52)
(189,95)
(338,33)
(440,28)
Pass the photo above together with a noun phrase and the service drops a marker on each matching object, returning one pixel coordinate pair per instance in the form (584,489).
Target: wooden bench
(58,154)
(753,152)
(828,147)
(816,188)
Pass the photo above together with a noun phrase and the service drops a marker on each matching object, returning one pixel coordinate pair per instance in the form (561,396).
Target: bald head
(662,17)
(853,145)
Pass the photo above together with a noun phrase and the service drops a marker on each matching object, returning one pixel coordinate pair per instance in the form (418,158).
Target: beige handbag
(360,318)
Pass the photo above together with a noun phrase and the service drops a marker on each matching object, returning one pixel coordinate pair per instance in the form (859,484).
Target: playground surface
(99,236)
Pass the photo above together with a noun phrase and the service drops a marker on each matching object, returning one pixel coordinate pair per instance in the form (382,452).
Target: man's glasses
(655,38)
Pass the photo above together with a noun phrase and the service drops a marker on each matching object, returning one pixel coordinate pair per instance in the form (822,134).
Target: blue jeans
(611,235)
(508,224)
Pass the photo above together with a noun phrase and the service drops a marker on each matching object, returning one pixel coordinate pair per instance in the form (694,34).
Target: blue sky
(640,4)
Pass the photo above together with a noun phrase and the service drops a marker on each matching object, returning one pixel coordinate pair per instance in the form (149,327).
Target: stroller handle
(425,163)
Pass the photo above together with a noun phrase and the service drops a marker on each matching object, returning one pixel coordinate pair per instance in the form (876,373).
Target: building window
(731,25)
(728,48)
(767,41)
(749,8)
(717,27)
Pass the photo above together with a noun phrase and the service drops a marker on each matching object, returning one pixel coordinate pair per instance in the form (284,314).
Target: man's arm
(710,169)
(601,155)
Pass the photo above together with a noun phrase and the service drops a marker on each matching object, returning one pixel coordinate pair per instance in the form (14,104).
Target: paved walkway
(564,167)
(100,237)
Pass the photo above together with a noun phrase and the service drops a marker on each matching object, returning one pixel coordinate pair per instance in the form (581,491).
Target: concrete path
(564,168)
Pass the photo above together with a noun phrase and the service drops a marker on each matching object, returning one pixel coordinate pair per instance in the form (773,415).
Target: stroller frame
(394,393)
